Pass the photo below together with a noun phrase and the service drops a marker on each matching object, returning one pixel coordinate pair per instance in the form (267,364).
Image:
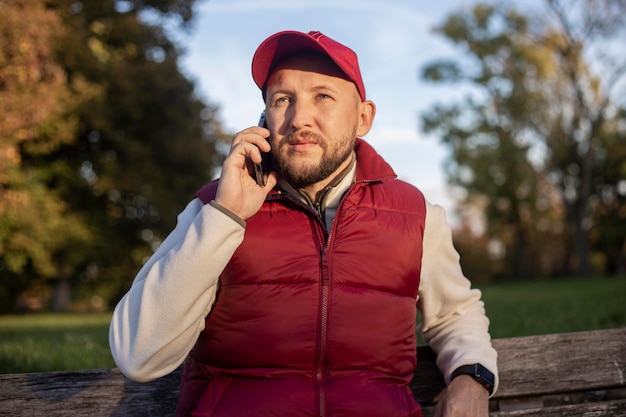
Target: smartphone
(260,168)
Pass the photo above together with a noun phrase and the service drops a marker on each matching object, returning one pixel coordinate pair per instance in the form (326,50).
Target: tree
(525,141)
(37,227)
(587,108)
(608,233)
(141,141)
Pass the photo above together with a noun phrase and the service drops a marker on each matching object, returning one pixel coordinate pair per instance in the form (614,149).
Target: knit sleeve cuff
(228,213)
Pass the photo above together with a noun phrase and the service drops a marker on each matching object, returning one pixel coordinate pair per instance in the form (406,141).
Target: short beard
(331,160)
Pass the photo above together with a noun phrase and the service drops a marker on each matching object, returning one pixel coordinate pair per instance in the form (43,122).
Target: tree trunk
(520,263)
(581,251)
(62,295)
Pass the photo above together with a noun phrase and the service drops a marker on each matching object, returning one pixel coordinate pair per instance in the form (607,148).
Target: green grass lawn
(51,342)
(559,306)
(48,342)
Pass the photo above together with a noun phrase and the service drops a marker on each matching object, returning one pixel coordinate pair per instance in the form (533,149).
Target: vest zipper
(322,348)
(320,372)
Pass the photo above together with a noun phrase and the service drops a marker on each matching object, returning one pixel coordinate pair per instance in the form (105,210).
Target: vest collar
(330,197)
(366,166)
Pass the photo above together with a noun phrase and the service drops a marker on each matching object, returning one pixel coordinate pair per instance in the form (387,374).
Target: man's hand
(464,397)
(237,190)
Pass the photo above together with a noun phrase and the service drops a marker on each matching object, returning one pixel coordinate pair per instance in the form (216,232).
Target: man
(299,297)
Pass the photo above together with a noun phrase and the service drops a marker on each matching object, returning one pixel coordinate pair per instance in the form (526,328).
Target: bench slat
(89,393)
(540,365)
(615,408)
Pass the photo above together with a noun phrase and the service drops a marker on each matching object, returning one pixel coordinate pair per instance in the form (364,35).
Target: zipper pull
(318,210)
(324,266)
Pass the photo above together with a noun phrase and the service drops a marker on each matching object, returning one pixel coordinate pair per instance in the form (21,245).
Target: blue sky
(393,39)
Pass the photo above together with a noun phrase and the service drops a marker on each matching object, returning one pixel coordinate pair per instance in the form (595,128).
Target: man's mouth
(299,146)
(301,141)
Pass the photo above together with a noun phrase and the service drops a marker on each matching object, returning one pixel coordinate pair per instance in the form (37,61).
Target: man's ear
(367,112)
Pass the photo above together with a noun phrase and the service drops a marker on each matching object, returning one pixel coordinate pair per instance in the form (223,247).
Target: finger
(248,151)
(255,135)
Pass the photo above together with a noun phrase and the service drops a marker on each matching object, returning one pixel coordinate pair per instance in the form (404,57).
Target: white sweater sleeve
(157,322)
(453,319)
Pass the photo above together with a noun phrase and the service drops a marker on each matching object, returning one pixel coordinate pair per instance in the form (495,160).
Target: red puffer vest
(310,324)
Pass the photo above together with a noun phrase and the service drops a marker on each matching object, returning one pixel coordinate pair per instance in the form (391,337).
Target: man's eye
(282,100)
(323,96)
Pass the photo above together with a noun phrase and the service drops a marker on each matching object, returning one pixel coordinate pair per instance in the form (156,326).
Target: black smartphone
(263,166)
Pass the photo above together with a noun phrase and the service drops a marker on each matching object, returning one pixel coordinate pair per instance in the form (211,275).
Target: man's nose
(301,115)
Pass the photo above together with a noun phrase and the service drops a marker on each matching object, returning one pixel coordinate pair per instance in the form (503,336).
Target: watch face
(484,376)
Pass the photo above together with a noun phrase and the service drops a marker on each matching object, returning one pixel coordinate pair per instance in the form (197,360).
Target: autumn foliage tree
(37,226)
(107,141)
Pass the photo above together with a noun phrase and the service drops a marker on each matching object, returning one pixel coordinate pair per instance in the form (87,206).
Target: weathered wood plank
(556,363)
(101,392)
(600,409)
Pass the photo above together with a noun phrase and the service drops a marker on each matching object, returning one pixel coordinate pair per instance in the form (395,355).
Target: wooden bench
(571,374)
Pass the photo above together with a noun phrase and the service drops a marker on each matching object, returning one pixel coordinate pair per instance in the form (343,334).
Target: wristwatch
(481,374)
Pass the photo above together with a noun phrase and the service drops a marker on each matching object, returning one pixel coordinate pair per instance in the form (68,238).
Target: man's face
(314,114)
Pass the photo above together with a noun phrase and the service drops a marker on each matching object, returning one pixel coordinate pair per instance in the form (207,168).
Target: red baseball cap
(281,45)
